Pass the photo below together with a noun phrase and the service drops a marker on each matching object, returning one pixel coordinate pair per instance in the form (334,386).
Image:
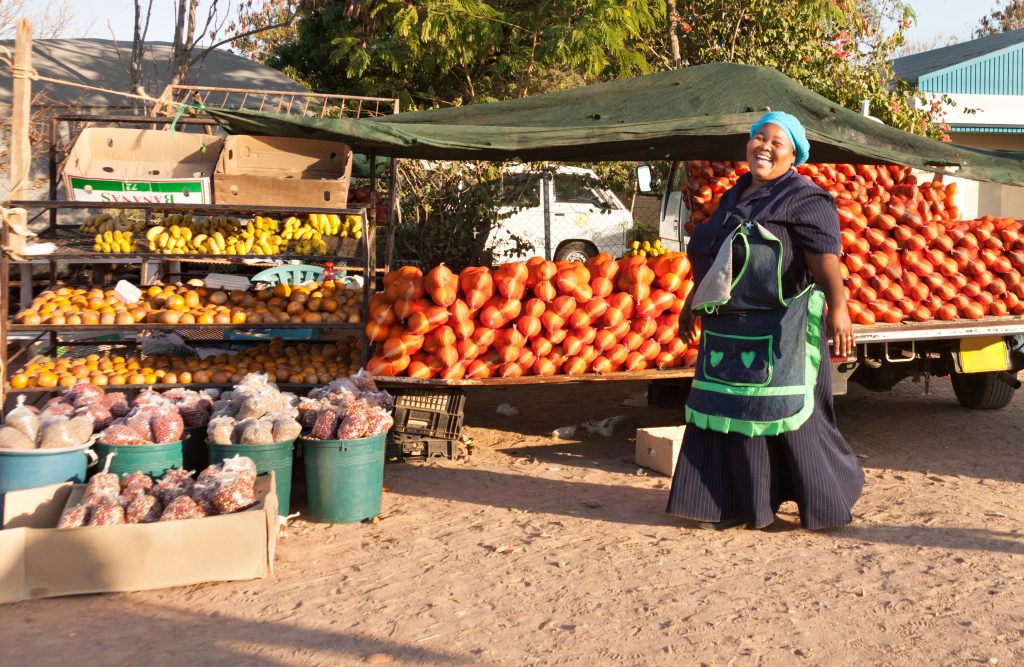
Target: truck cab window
(574,189)
(520,190)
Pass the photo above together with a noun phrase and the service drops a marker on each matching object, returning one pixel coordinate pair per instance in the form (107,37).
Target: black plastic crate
(411,447)
(429,413)
(428,423)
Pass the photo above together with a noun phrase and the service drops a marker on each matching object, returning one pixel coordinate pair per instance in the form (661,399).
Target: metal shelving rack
(74,247)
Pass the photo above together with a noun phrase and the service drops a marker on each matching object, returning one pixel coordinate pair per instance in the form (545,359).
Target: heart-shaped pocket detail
(747,358)
(716,358)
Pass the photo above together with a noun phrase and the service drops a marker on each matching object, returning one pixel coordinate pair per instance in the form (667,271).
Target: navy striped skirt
(727,476)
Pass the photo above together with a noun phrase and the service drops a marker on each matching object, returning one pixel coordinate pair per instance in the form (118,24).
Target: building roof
(104,63)
(911,68)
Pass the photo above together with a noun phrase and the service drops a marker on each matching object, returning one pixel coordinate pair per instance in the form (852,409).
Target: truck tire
(981,391)
(575,251)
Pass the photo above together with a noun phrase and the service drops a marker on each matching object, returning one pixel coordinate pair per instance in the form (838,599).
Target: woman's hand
(825,268)
(840,330)
(687,325)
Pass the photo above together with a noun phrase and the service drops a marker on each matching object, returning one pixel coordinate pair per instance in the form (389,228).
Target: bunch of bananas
(329,224)
(105,222)
(115,241)
(179,239)
(179,234)
(647,249)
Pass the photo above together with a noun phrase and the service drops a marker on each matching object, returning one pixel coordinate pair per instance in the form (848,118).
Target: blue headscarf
(792,126)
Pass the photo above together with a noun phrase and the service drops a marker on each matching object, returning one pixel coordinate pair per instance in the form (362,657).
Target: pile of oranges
(192,303)
(303,363)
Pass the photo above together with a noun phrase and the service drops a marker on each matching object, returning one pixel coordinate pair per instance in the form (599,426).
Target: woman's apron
(760,352)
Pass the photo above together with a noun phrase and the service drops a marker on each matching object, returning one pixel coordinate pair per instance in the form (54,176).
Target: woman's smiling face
(770,153)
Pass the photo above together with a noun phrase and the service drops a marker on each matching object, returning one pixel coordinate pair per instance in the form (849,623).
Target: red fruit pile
(532,318)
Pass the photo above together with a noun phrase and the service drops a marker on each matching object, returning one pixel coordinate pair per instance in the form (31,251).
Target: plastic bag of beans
(325,425)
(210,473)
(182,507)
(308,408)
(136,483)
(12,438)
(254,432)
(364,381)
(242,466)
(24,419)
(379,421)
(166,424)
(56,410)
(354,425)
(116,403)
(100,415)
(75,517)
(109,514)
(220,430)
(83,393)
(173,484)
(56,432)
(140,420)
(380,399)
(285,428)
(123,434)
(144,509)
(234,493)
(203,492)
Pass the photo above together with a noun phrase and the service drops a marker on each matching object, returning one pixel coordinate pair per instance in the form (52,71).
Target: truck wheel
(575,251)
(981,391)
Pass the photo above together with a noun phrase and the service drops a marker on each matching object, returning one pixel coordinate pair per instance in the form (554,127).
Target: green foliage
(451,52)
(843,55)
(449,214)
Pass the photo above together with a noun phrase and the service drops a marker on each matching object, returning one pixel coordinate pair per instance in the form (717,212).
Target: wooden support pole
(21,113)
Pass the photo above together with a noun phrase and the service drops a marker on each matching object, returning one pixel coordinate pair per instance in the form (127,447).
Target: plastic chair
(289,274)
(286,274)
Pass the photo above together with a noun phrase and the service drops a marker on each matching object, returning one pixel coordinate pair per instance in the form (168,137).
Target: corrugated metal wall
(1000,73)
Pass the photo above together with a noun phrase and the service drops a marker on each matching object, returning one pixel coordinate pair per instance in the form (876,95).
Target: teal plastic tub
(344,478)
(29,468)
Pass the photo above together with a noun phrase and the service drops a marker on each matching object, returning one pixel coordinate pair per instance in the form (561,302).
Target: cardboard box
(111,164)
(38,560)
(658,448)
(282,171)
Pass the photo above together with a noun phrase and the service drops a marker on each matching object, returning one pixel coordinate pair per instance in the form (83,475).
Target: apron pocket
(740,361)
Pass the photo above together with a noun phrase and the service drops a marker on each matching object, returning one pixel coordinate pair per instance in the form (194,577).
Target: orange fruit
(19,381)
(47,379)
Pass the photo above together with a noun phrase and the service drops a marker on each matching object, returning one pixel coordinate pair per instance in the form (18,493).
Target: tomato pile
(532,318)
(906,253)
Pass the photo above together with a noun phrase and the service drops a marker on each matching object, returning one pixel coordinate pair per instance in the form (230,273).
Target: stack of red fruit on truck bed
(532,318)
(906,253)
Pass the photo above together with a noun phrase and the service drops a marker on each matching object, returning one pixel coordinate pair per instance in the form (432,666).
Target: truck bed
(938,330)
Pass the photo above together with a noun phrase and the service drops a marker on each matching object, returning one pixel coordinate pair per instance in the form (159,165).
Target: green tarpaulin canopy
(697,113)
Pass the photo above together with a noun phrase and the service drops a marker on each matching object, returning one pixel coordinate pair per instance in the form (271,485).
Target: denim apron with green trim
(760,352)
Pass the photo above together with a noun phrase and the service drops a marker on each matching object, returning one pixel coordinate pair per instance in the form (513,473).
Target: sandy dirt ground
(540,551)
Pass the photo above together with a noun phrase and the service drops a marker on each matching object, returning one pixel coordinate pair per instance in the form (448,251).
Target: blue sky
(937,19)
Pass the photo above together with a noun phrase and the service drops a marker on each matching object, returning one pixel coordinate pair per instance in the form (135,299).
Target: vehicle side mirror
(646,180)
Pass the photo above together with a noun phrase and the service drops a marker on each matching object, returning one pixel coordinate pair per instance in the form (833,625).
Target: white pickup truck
(565,213)
(982,357)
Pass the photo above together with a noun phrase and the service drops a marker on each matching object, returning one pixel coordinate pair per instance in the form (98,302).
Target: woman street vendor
(761,428)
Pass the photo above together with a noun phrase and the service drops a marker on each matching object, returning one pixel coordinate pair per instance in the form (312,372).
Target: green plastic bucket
(194,454)
(344,478)
(154,460)
(276,456)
